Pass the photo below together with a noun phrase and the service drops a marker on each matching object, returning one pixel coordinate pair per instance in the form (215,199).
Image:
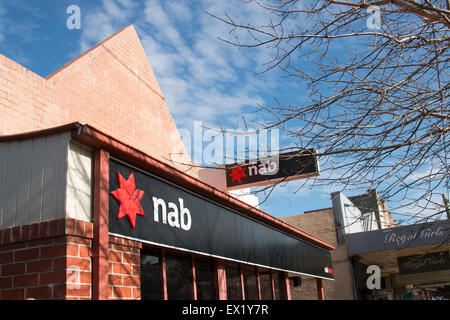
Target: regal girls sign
(435,261)
(420,234)
(398,238)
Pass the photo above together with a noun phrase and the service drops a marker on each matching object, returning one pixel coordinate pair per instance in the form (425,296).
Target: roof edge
(41,132)
(95,138)
(67,64)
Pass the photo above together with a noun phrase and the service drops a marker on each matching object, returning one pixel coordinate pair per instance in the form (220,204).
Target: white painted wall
(79,182)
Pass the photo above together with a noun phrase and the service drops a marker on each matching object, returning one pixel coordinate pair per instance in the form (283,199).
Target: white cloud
(179,10)
(200,75)
(97,26)
(114,11)
(157,17)
(101,22)
(2,25)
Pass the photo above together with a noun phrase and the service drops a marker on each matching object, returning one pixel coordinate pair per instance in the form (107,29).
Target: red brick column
(101,225)
(320,293)
(47,260)
(221,280)
(124,269)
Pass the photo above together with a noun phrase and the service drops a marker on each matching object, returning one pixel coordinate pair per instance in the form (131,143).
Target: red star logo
(237,174)
(129,198)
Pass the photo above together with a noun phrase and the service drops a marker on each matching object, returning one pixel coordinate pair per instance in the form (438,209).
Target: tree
(378,116)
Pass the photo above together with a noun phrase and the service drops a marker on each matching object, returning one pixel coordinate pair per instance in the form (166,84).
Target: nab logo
(263,169)
(129,199)
(178,218)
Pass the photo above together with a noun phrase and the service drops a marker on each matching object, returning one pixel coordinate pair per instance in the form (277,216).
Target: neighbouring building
(92,207)
(374,258)
(371,203)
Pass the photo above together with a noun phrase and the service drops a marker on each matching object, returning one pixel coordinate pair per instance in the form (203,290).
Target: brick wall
(321,224)
(111,87)
(124,269)
(47,260)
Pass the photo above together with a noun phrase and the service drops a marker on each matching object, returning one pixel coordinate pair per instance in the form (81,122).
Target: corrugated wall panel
(11,184)
(49,210)
(23,186)
(33,180)
(3,147)
(36,180)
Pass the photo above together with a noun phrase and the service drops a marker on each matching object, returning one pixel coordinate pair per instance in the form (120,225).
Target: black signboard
(286,166)
(424,263)
(146,208)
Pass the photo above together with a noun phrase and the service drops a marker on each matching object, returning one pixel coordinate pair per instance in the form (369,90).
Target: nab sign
(152,210)
(269,170)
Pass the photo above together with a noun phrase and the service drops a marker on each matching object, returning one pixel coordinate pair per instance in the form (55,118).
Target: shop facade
(413,261)
(97,211)
(154,232)
(374,259)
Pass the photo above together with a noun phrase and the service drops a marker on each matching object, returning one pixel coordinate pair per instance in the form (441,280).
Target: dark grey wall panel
(3,151)
(36,179)
(23,182)
(33,179)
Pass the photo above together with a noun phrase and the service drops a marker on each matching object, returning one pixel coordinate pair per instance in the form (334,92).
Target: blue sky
(202,78)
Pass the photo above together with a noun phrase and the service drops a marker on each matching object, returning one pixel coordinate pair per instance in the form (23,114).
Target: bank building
(91,207)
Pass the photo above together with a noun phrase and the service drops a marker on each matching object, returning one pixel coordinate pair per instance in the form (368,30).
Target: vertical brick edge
(124,261)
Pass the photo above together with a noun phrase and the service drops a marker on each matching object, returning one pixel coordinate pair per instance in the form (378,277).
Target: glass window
(234,290)
(179,277)
(265,284)
(278,286)
(151,275)
(250,283)
(205,280)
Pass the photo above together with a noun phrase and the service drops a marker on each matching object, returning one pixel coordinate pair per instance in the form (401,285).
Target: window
(241,280)
(151,275)
(179,277)
(250,283)
(234,289)
(278,286)
(265,284)
(205,279)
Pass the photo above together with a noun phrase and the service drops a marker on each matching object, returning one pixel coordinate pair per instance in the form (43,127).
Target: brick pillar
(320,293)
(47,260)
(124,269)
(221,279)
(101,225)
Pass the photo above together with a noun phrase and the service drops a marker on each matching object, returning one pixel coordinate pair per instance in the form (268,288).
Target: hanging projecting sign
(424,263)
(149,209)
(270,170)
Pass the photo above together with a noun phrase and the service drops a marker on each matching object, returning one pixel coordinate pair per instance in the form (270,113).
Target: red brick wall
(47,260)
(124,269)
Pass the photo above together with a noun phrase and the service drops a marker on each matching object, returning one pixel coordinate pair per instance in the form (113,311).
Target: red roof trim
(40,133)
